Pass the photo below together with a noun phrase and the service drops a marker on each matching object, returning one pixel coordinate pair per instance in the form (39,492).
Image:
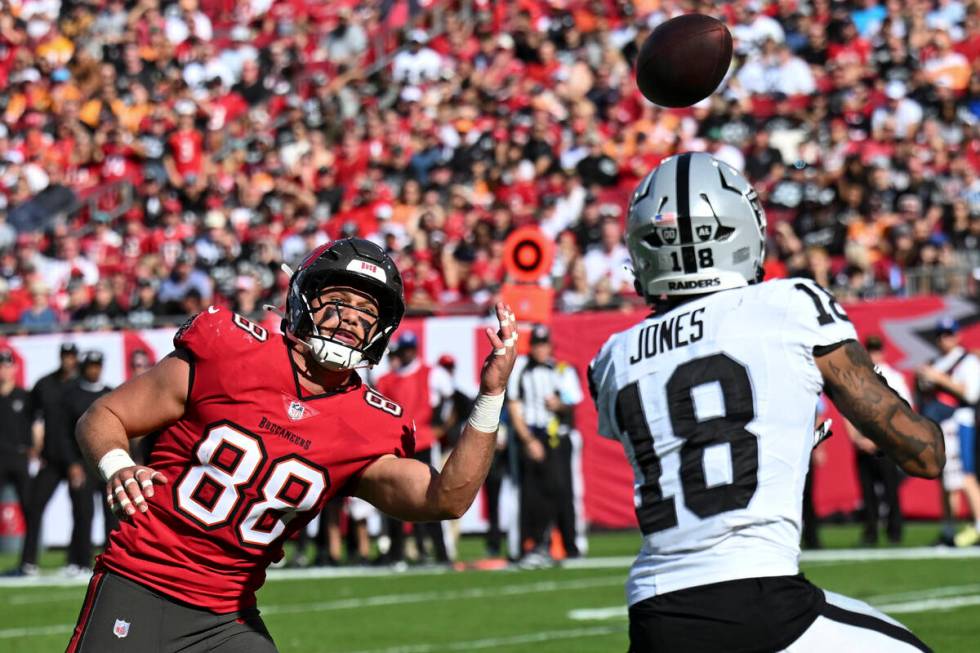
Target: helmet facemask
(334,347)
(331,347)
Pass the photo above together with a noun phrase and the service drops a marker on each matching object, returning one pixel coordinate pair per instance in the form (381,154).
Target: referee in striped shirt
(542,396)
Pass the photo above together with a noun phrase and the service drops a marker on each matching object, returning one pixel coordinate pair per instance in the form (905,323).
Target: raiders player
(259,430)
(713,398)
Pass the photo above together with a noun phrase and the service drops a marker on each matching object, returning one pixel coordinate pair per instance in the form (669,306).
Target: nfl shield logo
(296,409)
(121,629)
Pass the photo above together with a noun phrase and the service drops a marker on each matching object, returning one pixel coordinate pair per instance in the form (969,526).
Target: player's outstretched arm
(410,490)
(879,413)
(143,404)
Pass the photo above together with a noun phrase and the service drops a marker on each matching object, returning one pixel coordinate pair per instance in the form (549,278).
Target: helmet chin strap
(332,354)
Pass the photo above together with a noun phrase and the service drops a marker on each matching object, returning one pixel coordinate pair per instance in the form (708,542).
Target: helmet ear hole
(653,239)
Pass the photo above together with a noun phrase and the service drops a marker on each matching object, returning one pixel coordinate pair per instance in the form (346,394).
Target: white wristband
(485,415)
(113,461)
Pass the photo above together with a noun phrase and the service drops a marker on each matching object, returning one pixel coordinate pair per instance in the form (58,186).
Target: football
(683,60)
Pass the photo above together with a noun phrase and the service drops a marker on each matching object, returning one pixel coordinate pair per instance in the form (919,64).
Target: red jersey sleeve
(397,427)
(197,334)
(217,332)
(393,433)
(221,343)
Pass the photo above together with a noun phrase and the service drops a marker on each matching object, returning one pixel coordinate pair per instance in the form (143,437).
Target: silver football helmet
(695,226)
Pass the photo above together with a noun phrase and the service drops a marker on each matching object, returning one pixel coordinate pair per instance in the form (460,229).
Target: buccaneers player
(258,431)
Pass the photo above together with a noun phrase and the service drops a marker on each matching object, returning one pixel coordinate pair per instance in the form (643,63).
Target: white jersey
(966,372)
(715,403)
(896,381)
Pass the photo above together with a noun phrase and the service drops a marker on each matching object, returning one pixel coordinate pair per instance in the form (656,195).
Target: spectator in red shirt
(425,392)
(185,158)
(12,303)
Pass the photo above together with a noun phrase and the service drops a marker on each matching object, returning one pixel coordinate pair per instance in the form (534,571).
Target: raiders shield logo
(121,628)
(669,234)
(704,232)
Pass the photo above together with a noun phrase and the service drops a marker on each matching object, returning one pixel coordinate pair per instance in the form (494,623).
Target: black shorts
(122,616)
(738,616)
(764,615)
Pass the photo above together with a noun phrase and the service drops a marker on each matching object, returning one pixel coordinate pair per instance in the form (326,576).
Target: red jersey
(431,283)
(169,241)
(409,386)
(226,109)
(119,162)
(250,463)
(188,152)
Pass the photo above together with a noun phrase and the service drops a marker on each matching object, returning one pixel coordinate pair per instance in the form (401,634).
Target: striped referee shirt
(532,383)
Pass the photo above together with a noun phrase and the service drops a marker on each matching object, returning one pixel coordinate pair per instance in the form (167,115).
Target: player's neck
(667,304)
(317,379)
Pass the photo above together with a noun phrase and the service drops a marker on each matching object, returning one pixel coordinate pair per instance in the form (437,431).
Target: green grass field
(545,611)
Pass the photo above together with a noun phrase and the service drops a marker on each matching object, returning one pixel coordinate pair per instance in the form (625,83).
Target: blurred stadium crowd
(159,156)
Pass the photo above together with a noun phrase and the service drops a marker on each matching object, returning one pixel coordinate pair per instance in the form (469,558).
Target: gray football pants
(121,616)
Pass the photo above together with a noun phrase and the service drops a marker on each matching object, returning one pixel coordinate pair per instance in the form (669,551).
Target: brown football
(683,60)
